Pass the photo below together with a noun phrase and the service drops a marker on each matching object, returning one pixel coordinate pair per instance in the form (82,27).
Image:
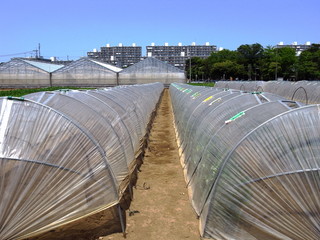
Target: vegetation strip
(22,92)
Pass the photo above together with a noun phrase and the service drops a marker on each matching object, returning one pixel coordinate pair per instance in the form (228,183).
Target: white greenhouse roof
(48,67)
(109,66)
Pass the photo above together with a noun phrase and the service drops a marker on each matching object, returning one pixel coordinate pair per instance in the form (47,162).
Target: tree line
(254,62)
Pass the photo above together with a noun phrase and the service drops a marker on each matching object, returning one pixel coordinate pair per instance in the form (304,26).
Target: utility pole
(276,73)
(36,53)
(190,64)
(190,67)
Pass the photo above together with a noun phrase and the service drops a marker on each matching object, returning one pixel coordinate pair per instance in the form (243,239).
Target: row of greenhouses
(301,91)
(251,162)
(66,155)
(27,73)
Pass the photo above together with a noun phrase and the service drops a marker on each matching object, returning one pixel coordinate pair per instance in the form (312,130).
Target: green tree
(255,62)
(227,70)
(279,62)
(269,63)
(308,66)
(250,56)
(225,56)
(288,61)
(197,68)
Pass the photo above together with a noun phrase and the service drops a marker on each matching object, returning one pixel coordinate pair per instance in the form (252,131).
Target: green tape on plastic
(240,114)
(194,94)
(15,98)
(256,92)
(237,116)
(197,94)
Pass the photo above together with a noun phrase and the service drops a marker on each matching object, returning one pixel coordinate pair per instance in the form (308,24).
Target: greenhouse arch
(56,167)
(244,164)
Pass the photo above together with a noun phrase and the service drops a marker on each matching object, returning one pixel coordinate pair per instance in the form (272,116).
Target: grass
(25,91)
(206,84)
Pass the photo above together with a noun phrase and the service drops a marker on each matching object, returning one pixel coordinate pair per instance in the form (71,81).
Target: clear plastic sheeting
(302,91)
(66,155)
(251,162)
(22,73)
(151,70)
(86,72)
(241,85)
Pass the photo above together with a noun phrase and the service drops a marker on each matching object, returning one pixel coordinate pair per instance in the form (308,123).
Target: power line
(15,54)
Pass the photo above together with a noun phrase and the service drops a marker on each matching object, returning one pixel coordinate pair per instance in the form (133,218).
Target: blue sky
(72,28)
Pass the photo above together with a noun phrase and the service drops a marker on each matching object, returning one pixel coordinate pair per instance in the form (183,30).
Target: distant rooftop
(108,66)
(293,44)
(48,67)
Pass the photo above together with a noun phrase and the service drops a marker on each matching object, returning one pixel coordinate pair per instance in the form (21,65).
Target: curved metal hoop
(304,92)
(259,89)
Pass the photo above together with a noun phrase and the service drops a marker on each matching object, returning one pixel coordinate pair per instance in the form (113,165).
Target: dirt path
(161,208)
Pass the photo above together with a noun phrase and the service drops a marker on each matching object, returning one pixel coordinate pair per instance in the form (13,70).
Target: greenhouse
(86,72)
(250,161)
(301,91)
(151,70)
(66,155)
(20,72)
(242,85)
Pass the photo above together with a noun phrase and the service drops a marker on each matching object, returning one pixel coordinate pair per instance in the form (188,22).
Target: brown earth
(161,208)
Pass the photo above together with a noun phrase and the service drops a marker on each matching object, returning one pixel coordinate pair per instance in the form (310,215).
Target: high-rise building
(121,56)
(298,47)
(177,55)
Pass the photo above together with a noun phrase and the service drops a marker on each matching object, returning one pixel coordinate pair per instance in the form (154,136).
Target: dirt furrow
(161,208)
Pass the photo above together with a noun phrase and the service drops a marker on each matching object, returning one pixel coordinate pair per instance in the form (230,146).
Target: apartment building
(298,47)
(177,55)
(121,56)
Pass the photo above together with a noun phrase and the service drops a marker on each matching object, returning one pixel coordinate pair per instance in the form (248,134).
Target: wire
(14,54)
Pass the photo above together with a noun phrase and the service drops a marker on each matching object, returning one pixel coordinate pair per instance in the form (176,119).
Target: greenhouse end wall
(151,70)
(85,72)
(38,79)
(142,78)
(250,161)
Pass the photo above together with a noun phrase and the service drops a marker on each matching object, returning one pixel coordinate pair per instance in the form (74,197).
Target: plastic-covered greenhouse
(251,162)
(151,70)
(302,91)
(242,85)
(27,73)
(69,154)
(86,72)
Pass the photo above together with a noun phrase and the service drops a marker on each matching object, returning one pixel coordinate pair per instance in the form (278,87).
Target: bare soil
(160,208)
